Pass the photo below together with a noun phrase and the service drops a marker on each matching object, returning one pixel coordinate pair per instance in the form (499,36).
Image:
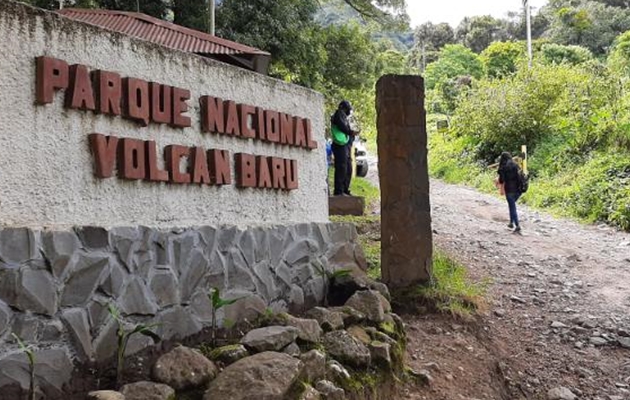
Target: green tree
(388,12)
(553,53)
(501,58)
(191,13)
(55,4)
(433,37)
(154,8)
(478,32)
(284,28)
(586,23)
(351,60)
(428,40)
(619,58)
(516,25)
(454,61)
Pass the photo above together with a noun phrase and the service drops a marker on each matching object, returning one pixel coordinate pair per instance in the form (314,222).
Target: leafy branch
(218,303)
(123,339)
(30,355)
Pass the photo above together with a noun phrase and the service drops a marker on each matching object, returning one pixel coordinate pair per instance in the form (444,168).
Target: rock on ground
(330,391)
(268,375)
(328,320)
(229,354)
(271,338)
(308,329)
(347,349)
(105,395)
(310,394)
(560,393)
(314,365)
(184,368)
(371,303)
(147,391)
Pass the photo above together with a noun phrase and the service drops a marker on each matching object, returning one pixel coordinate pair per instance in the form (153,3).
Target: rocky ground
(556,323)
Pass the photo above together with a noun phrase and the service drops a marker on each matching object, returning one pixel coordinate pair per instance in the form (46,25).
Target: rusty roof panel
(160,32)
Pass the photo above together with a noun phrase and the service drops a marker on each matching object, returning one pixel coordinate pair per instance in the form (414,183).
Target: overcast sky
(453,11)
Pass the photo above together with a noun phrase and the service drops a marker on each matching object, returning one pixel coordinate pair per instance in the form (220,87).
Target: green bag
(339,137)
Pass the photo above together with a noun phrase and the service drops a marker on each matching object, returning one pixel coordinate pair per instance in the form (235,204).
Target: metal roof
(167,34)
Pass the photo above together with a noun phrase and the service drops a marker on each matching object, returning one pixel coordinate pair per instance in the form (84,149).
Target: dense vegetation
(571,107)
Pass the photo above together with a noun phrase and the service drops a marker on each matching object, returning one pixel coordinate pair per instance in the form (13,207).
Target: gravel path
(559,300)
(558,312)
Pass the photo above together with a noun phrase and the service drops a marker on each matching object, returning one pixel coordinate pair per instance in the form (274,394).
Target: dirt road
(558,312)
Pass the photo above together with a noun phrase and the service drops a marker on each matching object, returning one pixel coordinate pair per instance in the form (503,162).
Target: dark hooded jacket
(509,174)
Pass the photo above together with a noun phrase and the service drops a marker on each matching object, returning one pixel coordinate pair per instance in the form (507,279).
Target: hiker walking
(510,177)
(341,147)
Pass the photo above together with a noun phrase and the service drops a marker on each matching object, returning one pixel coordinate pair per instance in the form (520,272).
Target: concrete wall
(55,287)
(46,171)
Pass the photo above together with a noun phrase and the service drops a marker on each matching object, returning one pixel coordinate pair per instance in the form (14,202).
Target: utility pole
(528,21)
(211,17)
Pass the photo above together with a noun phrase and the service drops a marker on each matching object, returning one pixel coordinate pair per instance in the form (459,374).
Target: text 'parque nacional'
(145,103)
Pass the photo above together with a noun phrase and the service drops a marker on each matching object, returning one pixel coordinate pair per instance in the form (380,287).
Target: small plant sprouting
(218,303)
(31,365)
(123,339)
(328,277)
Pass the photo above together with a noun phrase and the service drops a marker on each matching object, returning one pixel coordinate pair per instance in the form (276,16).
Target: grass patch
(452,290)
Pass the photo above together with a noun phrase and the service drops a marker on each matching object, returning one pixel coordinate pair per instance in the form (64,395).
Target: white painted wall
(46,173)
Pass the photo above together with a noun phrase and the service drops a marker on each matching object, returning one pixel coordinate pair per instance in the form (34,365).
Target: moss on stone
(388,328)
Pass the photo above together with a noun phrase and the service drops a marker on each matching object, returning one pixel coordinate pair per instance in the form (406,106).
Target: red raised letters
(220,173)
(264,175)
(278,173)
(179,107)
(212,115)
(108,92)
(199,163)
(247,121)
(245,170)
(80,94)
(174,154)
(273,126)
(286,129)
(155,174)
(161,109)
(131,159)
(104,150)
(137,102)
(52,74)
(292,174)
(231,119)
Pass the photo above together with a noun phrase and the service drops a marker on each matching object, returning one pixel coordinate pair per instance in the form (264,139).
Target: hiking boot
(517,229)
(510,225)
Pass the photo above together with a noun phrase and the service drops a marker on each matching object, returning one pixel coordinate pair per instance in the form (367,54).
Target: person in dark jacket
(341,149)
(509,176)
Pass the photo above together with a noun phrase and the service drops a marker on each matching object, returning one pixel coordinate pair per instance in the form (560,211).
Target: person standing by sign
(341,147)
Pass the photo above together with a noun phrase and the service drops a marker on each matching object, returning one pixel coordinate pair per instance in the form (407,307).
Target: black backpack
(523,179)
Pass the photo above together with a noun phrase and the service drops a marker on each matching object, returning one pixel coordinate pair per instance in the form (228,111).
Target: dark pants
(512,198)
(341,169)
(349,167)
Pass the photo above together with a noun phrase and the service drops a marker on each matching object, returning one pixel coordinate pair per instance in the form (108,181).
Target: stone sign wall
(77,237)
(64,88)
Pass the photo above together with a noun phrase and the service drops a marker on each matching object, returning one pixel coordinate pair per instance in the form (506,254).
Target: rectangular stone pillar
(406,236)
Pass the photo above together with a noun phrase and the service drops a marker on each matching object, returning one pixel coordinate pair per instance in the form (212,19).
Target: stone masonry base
(56,286)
